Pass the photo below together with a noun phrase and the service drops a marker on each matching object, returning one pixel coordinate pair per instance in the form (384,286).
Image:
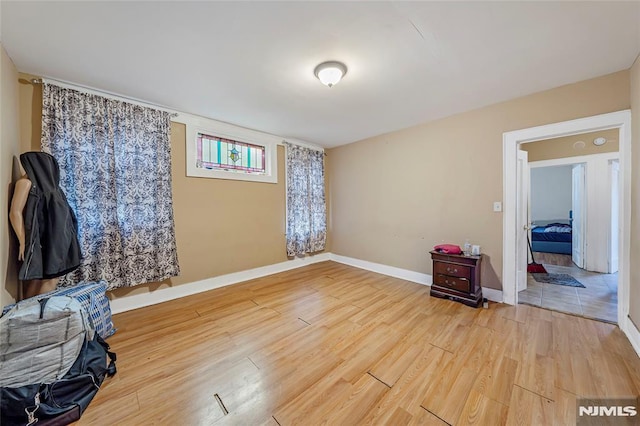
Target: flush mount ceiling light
(330,73)
(599,141)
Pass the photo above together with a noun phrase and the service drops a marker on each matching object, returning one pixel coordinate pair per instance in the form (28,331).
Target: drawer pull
(454,269)
(452,283)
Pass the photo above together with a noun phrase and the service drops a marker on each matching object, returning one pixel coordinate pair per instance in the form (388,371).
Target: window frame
(196,125)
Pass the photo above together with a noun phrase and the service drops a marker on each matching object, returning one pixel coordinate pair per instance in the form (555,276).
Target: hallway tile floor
(598,300)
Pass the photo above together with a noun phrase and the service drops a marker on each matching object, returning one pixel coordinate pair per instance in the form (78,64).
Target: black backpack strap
(111,369)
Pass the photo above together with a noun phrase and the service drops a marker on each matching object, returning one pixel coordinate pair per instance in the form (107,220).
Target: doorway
(513,264)
(571,235)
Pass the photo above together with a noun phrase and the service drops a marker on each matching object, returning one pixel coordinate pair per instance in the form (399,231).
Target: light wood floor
(332,344)
(553,259)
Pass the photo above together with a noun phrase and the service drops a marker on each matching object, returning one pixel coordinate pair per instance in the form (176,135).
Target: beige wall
(397,195)
(564,147)
(222,226)
(634,309)
(30,113)
(550,193)
(394,196)
(9,149)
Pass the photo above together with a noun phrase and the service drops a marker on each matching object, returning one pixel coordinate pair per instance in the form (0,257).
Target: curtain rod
(109,94)
(292,141)
(172,113)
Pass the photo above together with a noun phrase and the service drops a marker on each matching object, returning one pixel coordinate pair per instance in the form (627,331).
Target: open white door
(615,213)
(522,220)
(578,204)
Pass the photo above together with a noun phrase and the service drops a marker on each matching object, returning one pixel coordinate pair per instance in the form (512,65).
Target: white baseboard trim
(392,271)
(633,334)
(405,274)
(492,294)
(136,301)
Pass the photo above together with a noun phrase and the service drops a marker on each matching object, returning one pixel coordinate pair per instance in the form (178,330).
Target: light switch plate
(497,206)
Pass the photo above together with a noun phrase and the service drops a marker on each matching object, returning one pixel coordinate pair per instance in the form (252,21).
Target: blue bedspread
(557,232)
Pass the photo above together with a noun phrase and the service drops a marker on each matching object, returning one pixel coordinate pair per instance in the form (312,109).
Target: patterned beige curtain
(306,207)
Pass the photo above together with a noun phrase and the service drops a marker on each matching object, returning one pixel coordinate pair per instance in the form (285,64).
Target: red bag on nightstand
(448,248)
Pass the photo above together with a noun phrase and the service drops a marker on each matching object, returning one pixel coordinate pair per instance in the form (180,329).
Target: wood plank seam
(435,415)
(304,321)
(446,350)
(221,404)
(386,384)
(252,362)
(535,393)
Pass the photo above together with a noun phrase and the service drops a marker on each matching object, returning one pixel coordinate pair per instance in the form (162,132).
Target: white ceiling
(251,63)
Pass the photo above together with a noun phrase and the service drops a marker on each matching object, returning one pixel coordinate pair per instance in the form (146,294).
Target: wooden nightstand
(457,277)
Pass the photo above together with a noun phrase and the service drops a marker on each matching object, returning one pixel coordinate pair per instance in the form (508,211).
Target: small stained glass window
(215,153)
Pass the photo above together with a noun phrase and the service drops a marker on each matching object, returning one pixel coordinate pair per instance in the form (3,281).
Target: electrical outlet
(497,206)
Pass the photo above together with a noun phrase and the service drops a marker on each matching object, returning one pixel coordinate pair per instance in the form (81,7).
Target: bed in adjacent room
(551,236)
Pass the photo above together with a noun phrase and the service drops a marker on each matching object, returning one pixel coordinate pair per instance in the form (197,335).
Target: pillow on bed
(546,222)
(93,299)
(558,227)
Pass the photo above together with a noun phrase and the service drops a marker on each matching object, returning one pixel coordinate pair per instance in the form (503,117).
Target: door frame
(620,120)
(586,160)
(581,236)
(522,257)
(614,176)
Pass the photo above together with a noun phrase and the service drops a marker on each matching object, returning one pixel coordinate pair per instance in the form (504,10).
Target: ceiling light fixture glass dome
(330,73)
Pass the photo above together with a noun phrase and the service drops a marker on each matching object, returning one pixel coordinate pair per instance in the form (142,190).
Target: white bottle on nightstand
(467,248)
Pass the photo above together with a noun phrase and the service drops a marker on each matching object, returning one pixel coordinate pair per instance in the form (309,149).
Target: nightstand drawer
(452,269)
(454,283)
